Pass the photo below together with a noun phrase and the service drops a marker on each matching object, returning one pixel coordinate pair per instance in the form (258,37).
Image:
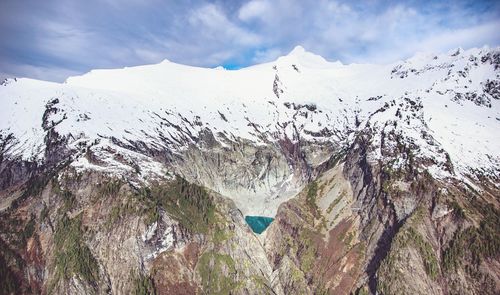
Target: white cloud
(212,21)
(467,37)
(148,55)
(338,8)
(63,40)
(255,9)
(57,74)
(40,39)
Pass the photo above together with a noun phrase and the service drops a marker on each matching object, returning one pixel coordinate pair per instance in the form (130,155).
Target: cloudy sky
(52,40)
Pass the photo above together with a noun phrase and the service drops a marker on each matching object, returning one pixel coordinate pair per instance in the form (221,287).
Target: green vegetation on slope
(312,192)
(412,237)
(474,244)
(126,206)
(109,188)
(188,203)
(389,273)
(143,285)
(72,256)
(217,273)
(29,229)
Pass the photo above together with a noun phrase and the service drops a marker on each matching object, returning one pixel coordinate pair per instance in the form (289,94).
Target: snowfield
(446,105)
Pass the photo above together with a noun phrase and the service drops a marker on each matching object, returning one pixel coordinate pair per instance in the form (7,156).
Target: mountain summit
(297,51)
(300,56)
(361,178)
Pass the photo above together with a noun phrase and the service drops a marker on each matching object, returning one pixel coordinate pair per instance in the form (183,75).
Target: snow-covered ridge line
(300,96)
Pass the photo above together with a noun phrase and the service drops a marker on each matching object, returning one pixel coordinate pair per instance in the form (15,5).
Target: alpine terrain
(298,176)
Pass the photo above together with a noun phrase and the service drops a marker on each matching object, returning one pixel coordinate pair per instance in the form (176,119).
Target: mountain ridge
(143,87)
(381,179)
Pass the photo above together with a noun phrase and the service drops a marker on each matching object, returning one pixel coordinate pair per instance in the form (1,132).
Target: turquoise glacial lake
(258,223)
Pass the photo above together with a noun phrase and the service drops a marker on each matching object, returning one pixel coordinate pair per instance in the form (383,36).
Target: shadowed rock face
(357,226)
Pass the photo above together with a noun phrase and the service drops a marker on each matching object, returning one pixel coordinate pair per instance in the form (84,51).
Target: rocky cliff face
(371,192)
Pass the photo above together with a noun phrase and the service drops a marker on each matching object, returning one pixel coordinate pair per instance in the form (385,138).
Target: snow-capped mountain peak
(297,51)
(444,107)
(300,56)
